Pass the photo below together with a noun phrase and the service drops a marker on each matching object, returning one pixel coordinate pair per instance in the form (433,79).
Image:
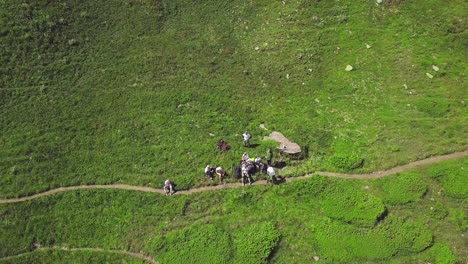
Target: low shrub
(452,176)
(346,243)
(196,244)
(401,188)
(442,254)
(255,243)
(346,162)
(349,204)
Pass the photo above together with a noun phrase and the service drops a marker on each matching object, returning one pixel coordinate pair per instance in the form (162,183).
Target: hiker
(222,145)
(246,174)
(238,171)
(169,187)
(245,156)
(209,171)
(247,137)
(271,175)
(269,156)
(221,173)
(258,164)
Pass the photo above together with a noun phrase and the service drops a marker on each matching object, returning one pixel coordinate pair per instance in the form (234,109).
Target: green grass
(130,91)
(281,224)
(60,256)
(138,91)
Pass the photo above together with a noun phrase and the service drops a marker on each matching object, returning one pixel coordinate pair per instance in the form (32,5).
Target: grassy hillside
(132,91)
(336,220)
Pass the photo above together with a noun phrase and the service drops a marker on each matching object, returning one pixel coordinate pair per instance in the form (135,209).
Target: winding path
(373,175)
(99,250)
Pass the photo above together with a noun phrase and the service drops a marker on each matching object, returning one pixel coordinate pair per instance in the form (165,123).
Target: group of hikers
(244,170)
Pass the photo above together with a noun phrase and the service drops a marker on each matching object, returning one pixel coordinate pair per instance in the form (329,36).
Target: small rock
(72,42)
(435,68)
(406,86)
(316,258)
(287,76)
(262,126)
(432,199)
(310,70)
(432,208)
(379,1)
(300,56)
(429,75)
(211,134)
(257,48)
(349,68)
(366,187)
(408,105)
(317,100)
(368,46)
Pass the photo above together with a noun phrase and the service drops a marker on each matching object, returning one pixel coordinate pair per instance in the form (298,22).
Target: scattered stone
(408,105)
(432,199)
(310,70)
(379,1)
(317,100)
(300,56)
(72,42)
(257,48)
(406,86)
(211,134)
(366,187)
(316,258)
(349,68)
(368,46)
(262,126)
(429,75)
(432,208)
(435,68)
(287,76)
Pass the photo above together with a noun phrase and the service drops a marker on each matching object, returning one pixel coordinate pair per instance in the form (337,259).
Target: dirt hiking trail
(373,175)
(98,250)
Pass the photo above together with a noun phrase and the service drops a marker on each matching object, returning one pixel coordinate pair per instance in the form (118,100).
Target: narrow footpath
(373,175)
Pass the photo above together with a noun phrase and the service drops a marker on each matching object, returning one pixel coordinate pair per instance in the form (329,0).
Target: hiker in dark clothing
(269,156)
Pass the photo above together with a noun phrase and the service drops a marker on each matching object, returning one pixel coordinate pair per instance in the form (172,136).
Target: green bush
(401,188)
(196,244)
(346,162)
(452,176)
(349,204)
(442,254)
(346,243)
(255,243)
